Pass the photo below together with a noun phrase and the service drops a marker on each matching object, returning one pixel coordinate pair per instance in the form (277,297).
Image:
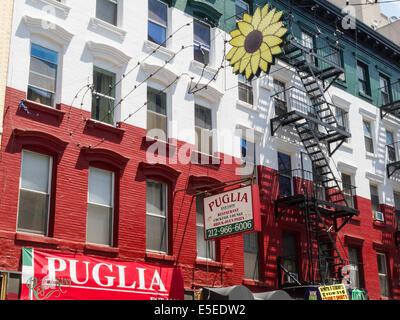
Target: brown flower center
(253,41)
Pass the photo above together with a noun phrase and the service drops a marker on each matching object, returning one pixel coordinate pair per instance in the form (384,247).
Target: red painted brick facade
(124,152)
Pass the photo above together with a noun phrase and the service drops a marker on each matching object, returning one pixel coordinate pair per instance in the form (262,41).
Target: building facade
(119,123)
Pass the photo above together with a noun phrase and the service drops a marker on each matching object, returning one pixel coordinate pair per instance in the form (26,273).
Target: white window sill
(57,5)
(198,66)
(371,156)
(98,23)
(247,106)
(152,46)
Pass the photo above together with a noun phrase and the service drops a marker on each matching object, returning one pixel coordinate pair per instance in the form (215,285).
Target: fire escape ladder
(326,254)
(320,163)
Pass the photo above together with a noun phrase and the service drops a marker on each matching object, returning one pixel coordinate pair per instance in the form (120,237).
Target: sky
(390,9)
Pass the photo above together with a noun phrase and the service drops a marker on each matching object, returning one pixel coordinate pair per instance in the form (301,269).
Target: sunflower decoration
(256,41)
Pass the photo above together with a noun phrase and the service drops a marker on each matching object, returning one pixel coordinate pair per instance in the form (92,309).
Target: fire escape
(389,103)
(325,205)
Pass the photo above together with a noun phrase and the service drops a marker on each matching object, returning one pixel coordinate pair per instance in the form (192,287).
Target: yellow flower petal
(264,65)
(256,18)
(238,41)
(266,53)
(245,28)
(272,41)
(244,62)
(272,28)
(236,67)
(247,18)
(280,32)
(240,52)
(268,18)
(276,50)
(235,33)
(248,71)
(255,61)
(229,56)
(264,10)
(277,16)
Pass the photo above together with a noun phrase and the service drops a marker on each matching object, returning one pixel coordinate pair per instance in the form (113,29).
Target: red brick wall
(68,221)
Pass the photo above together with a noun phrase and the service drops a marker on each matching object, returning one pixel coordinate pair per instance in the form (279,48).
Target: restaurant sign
(232,212)
(333,292)
(50,275)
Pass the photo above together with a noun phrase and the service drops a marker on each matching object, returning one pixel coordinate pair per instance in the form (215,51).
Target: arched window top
(205,11)
(40,140)
(108,53)
(209,93)
(159,73)
(48,30)
(159,170)
(105,156)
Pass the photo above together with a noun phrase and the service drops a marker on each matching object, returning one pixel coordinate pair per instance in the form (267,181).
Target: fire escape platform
(392,108)
(328,208)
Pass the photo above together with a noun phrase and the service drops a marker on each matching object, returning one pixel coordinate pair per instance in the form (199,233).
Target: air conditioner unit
(378,216)
(289,279)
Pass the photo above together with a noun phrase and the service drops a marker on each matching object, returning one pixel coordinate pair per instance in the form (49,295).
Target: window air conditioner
(378,216)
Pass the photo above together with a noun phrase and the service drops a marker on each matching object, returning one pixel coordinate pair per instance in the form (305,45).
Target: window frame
(285,175)
(201,45)
(116,3)
(211,253)
(256,272)
(112,197)
(280,97)
(382,92)
(56,82)
(370,137)
(386,275)
(349,194)
(156,92)
(49,194)
(165,27)
(166,217)
(374,197)
(247,87)
(365,82)
(210,132)
(105,96)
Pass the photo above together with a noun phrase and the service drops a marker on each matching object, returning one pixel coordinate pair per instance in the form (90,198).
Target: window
(369,144)
(158,22)
(289,247)
(390,146)
(245,90)
(342,118)
(251,252)
(100,206)
(34,192)
(396,196)
(242,7)
(336,56)
(280,98)
(384,84)
(42,75)
(103,98)
(285,174)
(202,42)
(363,78)
(203,129)
(354,263)
(248,158)
(106,10)
(374,198)
(10,285)
(205,249)
(156,216)
(383,275)
(156,114)
(347,189)
(307,40)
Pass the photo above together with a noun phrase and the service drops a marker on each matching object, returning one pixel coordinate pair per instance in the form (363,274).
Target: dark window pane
(106,10)
(32,212)
(156,101)
(203,117)
(201,33)
(158,12)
